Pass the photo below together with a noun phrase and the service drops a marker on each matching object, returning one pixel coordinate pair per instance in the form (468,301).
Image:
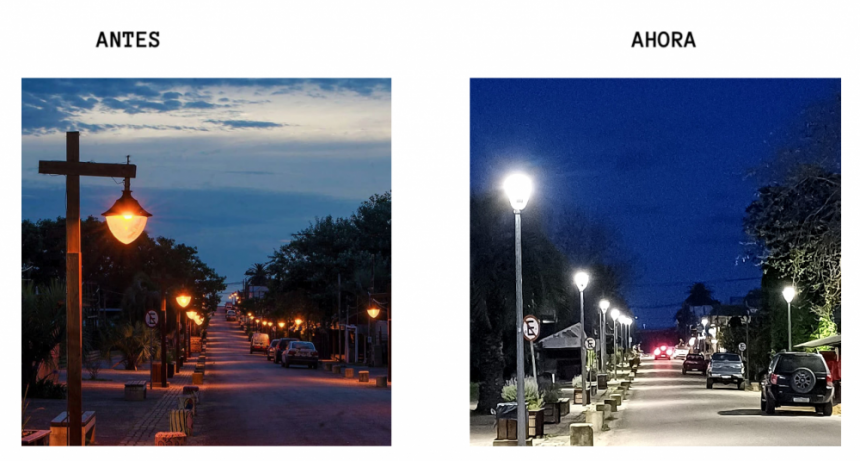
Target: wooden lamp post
(126,220)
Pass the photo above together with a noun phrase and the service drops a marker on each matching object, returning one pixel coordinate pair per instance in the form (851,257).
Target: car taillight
(773,378)
(829,379)
(662,348)
(657,351)
(291,352)
(315,353)
(671,351)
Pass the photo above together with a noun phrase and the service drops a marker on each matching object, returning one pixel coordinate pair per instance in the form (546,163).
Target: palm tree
(259,275)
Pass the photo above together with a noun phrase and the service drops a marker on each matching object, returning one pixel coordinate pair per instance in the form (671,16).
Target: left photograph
(206,262)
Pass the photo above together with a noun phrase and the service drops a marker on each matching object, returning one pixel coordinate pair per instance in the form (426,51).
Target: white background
(430,50)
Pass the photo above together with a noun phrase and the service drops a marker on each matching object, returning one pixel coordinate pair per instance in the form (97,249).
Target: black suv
(797,379)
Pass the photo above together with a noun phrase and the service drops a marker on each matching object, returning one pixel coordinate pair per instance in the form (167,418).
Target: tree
(259,275)
(43,329)
(686,319)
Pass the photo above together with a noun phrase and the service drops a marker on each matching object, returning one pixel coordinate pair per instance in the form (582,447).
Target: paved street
(247,400)
(668,408)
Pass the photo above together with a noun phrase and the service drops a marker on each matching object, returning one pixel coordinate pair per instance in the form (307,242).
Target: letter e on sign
(531,328)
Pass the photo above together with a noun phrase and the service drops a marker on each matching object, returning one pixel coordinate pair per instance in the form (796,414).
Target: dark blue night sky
(665,163)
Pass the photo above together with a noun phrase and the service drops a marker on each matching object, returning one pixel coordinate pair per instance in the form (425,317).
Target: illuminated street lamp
(258,324)
(788,293)
(135,221)
(190,315)
(182,300)
(614,314)
(518,188)
(704,334)
(280,324)
(604,306)
(581,281)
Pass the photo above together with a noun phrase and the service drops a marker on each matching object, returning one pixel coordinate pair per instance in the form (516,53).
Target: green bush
(46,389)
(533,395)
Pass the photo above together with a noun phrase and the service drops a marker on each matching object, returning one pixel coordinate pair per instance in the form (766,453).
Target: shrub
(45,388)
(533,395)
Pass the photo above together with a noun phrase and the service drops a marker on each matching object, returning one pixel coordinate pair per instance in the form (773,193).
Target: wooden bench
(135,390)
(193,391)
(170,439)
(60,428)
(36,438)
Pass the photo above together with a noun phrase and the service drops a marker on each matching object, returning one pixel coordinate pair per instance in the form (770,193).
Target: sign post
(151,320)
(531,332)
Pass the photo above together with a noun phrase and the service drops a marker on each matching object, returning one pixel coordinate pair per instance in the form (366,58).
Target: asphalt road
(248,400)
(668,408)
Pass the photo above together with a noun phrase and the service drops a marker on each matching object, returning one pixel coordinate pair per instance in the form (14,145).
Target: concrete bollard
(605,409)
(581,435)
(617,399)
(363,376)
(613,407)
(625,393)
(594,416)
(349,373)
(381,381)
(335,369)
(197,378)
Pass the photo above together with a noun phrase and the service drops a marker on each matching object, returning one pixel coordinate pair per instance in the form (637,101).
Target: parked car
(231,315)
(695,361)
(726,368)
(663,352)
(680,353)
(797,379)
(300,352)
(272,349)
(282,346)
(259,342)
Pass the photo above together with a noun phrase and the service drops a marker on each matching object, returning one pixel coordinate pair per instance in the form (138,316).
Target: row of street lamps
(518,188)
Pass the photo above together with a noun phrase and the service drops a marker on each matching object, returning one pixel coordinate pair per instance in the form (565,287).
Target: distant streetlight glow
(788,293)
(373,311)
(183,300)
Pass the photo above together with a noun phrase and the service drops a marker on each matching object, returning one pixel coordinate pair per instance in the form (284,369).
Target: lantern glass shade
(198,322)
(373,311)
(298,321)
(281,324)
(183,300)
(704,322)
(126,219)
(518,188)
(191,315)
(614,314)
(581,280)
(788,293)
(604,305)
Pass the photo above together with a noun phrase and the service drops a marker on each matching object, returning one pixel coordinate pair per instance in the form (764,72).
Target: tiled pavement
(156,420)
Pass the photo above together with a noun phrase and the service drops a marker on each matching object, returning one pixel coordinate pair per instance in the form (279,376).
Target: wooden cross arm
(110,170)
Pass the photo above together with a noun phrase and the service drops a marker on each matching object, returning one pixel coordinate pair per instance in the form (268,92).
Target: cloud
(199,105)
(246,124)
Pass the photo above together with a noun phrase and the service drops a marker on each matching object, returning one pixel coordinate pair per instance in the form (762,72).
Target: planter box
(29,438)
(577,397)
(552,413)
(564,405)
(535,427)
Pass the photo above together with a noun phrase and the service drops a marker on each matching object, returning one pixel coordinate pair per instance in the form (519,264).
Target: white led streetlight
(604,306)
(788,293)
(580,279)
(518,188)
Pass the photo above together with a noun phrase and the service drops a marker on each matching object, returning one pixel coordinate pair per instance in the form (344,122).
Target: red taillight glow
(829,379)
(773,378)
(662,348)
(657,351)
(315,353)
(671,350)
(291,352)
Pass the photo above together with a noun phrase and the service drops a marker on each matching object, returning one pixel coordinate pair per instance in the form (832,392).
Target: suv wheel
(763,405)
(703,372)
(684,371)
(827,409)
(802,380)
(740,385)
(710,383)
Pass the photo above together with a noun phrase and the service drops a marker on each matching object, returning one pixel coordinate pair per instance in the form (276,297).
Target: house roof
(835,340)
(564,339)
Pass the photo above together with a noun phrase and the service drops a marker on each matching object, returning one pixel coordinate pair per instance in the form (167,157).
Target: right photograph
(655,262)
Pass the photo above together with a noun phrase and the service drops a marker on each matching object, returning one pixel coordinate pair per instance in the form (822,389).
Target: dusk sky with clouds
(231,166)
(664,163)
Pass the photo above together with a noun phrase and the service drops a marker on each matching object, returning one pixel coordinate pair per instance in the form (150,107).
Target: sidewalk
(119,422)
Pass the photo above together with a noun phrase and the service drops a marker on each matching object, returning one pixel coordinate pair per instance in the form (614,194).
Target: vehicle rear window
(789,363)
(694,357)
(725,358)
(302,345)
